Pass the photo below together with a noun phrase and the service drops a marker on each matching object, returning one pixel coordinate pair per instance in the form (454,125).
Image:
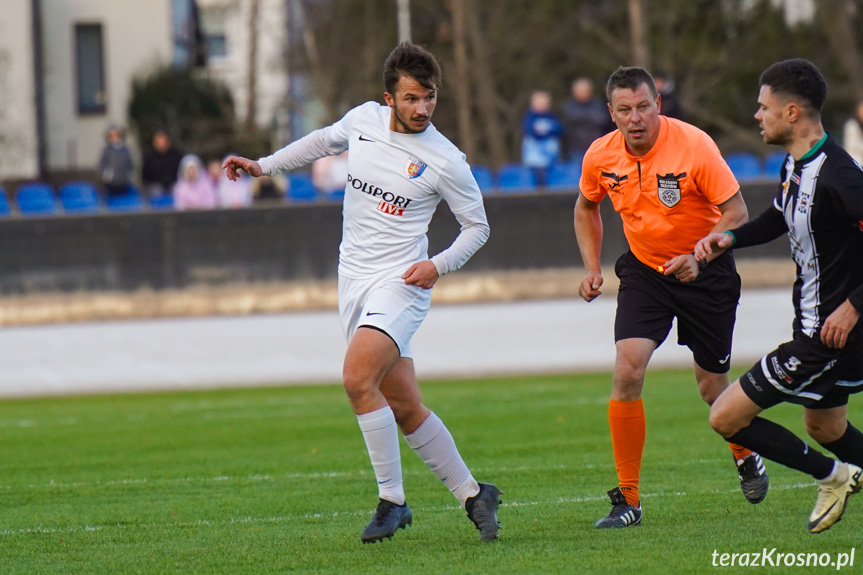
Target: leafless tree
(837,21)
(494,54)
(466,133)
(10,138)
(252,65)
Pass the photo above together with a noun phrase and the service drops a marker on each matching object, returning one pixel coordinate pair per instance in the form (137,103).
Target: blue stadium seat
(163,202)
(564,177)
(127,202)
(773,164)
(4,204)
(335,195)
(36,199)
(79,198)
(515,178)
(745,166)
(301,189)
(576,157)
(484,178)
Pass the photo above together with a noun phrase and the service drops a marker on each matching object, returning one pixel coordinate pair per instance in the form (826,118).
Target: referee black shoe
(753,478)
(622,514)
(482,510)
(388,519)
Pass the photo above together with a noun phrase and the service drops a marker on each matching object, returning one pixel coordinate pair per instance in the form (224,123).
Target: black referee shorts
(706,308)
(807,372)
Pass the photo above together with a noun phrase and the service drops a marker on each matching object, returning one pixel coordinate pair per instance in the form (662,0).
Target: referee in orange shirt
(671,187)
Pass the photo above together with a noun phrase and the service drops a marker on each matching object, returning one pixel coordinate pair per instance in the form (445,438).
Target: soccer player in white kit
(399,168)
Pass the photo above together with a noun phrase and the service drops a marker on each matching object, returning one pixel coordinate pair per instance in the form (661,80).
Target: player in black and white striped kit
(820,207)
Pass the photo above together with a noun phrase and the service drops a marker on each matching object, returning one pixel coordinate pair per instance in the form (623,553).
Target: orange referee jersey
(666,198)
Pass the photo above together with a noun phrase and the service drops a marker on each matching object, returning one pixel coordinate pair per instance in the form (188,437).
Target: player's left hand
(838,325)
(684,267)
(422,274)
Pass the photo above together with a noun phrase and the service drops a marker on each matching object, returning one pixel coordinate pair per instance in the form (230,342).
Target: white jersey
(395,182)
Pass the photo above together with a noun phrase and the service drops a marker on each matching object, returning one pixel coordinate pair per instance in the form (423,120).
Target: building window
(213,31)
(217,47)
(189,44)
(90,68)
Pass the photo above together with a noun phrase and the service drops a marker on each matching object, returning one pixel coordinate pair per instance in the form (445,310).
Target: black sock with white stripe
(778,444)
(849,447)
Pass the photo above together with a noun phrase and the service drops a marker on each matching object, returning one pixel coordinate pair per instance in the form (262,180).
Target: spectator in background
(267,189)
(115,164)
(542,134)
(160,167)
(585,119)
(852,135)
(669,105)
(330,173)
(194,189)
(214,172)
(232,194)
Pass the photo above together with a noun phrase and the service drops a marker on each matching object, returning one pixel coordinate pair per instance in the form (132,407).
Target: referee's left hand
(684,267)
(838,325)
(422,274)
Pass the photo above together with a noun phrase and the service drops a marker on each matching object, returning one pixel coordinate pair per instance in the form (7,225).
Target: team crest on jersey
(668,188)
(414,168)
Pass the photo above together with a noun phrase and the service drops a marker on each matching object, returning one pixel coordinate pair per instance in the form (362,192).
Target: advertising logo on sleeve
(668,188)
(414,168)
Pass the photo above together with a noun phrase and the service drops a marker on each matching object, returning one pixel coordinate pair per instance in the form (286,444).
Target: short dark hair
(798,78)
(408,59)
(629,78)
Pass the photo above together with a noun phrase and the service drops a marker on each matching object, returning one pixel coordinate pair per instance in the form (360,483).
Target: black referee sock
(776,443)
(849,447)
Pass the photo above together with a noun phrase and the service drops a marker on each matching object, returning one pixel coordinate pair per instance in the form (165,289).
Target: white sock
(382,441)
(832,477)
(434,444)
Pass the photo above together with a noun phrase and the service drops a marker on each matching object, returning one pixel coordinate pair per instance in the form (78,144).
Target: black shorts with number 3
(706,308)
(807,372)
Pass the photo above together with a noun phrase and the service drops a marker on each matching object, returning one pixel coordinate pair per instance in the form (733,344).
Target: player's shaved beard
(783,138)
(405,125)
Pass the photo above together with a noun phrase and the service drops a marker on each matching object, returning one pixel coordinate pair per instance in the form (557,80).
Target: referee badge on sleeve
(668,188)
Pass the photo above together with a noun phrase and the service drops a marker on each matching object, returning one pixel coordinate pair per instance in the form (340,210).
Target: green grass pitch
(277,480)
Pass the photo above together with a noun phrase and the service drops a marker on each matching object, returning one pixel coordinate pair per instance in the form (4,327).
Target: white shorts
(386,303)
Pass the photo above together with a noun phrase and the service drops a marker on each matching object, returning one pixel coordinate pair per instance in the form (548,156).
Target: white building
(92,50)
(66,70)
(242,33)
(18,137)
(71,63)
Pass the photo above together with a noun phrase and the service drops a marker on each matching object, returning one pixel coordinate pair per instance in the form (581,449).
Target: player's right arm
(304,151)
(768,226)
(713,243)
(329,141)
(588,233)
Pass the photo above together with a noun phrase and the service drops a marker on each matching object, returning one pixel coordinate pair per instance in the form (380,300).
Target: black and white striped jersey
(820,206)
